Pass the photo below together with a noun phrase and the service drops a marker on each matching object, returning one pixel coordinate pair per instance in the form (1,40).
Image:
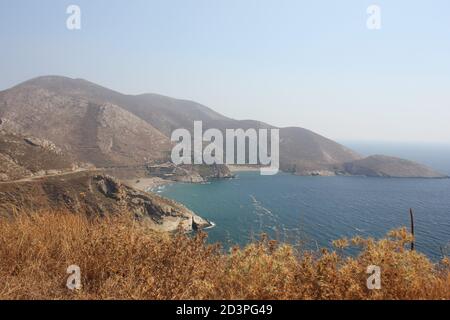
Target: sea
(311,212)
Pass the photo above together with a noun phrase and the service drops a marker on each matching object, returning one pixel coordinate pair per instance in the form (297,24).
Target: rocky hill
(106,128)
(26,156)
(97,194)
(103,134)
(384,166)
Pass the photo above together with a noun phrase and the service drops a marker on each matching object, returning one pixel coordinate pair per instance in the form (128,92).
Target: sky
(313,64)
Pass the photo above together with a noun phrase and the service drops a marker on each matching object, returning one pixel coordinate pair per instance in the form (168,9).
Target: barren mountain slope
(22,157)
(100,133)
(98,125)
(301,149)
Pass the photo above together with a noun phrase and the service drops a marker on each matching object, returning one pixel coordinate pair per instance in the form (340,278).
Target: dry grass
(120,259)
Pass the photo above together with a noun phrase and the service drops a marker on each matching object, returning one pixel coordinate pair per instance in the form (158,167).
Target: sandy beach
(144,184)
(240,168)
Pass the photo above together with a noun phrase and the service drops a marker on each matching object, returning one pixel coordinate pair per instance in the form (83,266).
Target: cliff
(97,195)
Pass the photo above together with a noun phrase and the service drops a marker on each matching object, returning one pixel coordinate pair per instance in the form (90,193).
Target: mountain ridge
(101,126)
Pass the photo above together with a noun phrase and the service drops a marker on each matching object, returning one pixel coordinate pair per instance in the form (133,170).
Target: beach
(146,184)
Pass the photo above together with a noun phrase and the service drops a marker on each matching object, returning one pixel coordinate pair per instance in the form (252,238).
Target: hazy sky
(313,64)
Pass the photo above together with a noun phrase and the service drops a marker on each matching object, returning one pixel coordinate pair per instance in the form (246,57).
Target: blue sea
(311,212)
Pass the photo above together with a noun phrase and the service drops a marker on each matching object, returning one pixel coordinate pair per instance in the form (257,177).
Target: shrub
(121,259)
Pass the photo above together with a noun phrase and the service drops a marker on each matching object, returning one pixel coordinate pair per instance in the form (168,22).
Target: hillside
(103,127)
(96,195)
(304,152)
(91,122)
(103,134)
(22,157)
(384,166)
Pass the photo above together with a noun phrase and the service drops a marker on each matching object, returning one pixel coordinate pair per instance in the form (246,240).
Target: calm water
(317,210)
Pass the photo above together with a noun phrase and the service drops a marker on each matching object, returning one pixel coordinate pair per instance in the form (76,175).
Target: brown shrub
(121,259)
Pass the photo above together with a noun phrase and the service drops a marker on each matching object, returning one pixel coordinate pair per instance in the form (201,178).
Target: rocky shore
(98,195)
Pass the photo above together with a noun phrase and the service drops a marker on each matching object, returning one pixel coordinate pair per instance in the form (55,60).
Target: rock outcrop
(189,173)
(22,157)
(165,214)
(44,144)
(98,195)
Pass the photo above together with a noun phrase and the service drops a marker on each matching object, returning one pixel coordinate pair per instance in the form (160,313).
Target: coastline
(153,185)
(146,184)
(242,168)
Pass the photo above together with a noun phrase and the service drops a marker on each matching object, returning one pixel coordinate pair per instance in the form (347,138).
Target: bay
(313,211)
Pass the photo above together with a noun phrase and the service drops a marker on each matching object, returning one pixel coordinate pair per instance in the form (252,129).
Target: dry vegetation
(120,259)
